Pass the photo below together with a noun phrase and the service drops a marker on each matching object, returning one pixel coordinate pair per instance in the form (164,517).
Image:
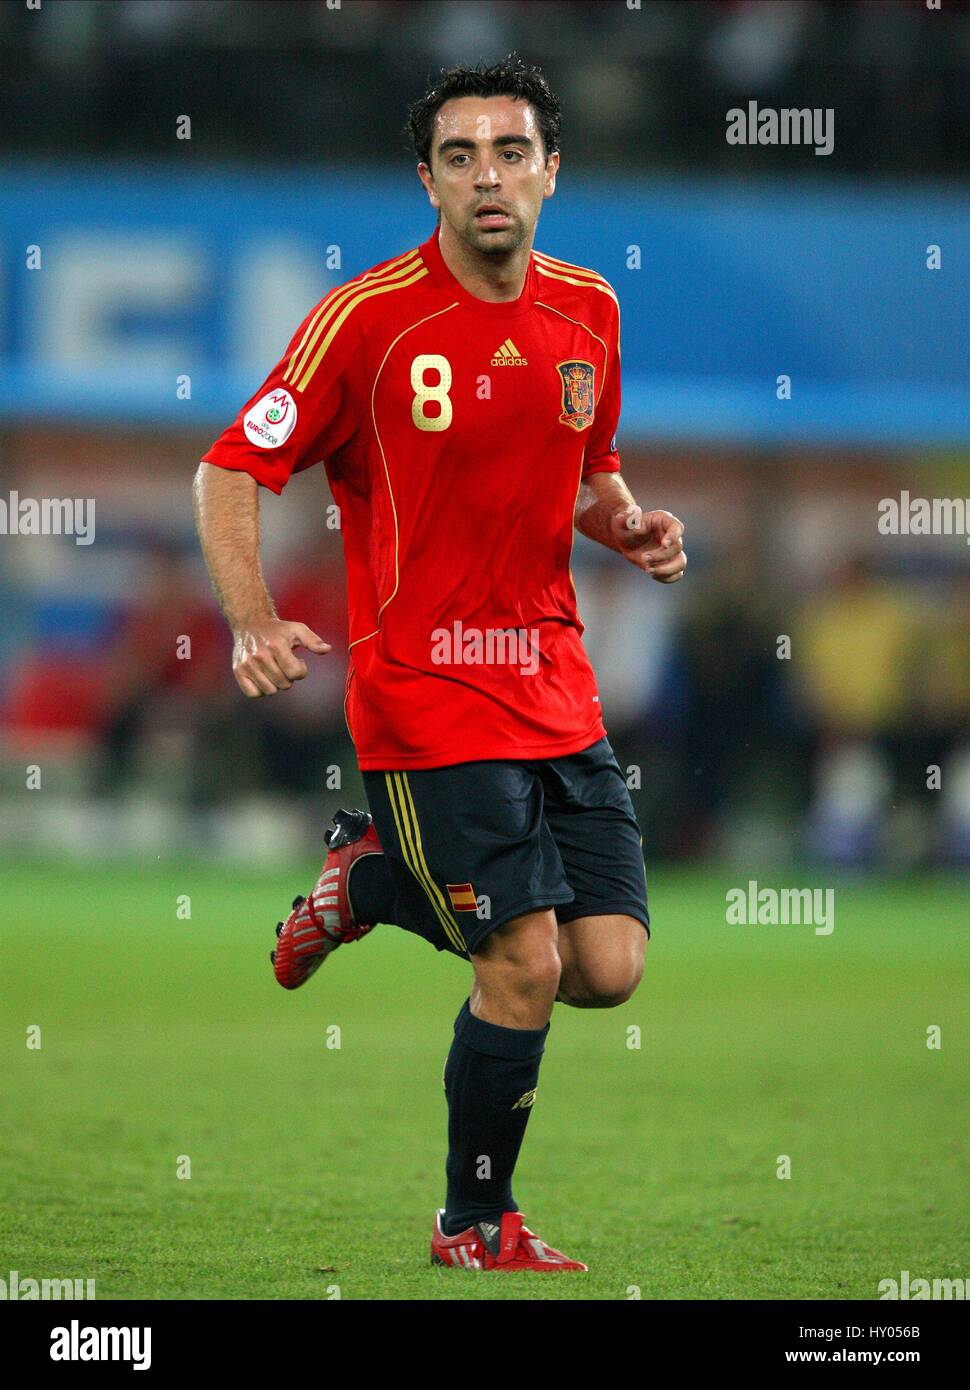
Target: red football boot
(487,1246)
(323,921)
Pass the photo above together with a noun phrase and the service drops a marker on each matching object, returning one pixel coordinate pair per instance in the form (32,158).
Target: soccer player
(464,398)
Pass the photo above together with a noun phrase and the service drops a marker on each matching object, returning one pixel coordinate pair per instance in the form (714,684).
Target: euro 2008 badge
(269,423)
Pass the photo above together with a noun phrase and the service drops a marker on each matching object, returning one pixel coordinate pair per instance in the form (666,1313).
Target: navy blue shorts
(473,845)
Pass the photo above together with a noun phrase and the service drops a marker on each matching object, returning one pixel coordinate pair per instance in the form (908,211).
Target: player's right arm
(227,520)
(305,410)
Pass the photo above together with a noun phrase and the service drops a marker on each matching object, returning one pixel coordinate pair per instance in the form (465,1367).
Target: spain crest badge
(577,393)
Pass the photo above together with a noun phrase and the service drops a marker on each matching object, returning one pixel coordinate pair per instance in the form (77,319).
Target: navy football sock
(490,1083)
(373,897)
(370,890)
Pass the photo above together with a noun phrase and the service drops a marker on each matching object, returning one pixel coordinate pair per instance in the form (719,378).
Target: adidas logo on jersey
(508,355)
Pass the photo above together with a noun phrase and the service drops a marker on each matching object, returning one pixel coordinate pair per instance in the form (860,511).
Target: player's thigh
(470,839)
(591,818)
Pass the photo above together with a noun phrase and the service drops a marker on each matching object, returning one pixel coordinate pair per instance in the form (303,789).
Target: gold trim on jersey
(541,304)
(572,538)
(582,463)
(554,270)
(350,677)
(596,280)
(409,835)
(387,475)
(575,280)
(340,290)
(568,265)
(384,287)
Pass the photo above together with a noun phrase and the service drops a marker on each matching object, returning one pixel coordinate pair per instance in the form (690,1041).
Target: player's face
(489,173)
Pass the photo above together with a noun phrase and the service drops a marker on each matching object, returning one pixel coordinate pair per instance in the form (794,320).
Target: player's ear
(427,178)
(552,168)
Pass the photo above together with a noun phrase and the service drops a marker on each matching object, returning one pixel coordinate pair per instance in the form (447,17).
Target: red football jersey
(455,433)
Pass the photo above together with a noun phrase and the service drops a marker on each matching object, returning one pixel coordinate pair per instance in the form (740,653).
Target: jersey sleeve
(601,454)
(307,407)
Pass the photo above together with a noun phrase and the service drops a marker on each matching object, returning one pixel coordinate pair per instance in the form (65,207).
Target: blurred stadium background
(171,274)
(173,269)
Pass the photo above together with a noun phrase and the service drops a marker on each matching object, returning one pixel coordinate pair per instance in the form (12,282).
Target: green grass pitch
(316,1168)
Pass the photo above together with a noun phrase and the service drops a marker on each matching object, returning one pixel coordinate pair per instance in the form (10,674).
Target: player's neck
(495,279)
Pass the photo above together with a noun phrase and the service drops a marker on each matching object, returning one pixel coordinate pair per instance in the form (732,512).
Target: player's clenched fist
(653,541)
(263,660)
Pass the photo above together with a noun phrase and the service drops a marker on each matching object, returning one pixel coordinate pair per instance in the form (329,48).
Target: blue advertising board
(164,296)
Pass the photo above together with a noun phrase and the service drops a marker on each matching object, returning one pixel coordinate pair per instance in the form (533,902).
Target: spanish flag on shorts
(462,897)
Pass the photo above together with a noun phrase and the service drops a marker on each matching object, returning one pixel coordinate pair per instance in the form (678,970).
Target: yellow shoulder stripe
(347,296)
(340,290)
(383,288)
(597,284)
(567,268)
(557,263)
(346,312)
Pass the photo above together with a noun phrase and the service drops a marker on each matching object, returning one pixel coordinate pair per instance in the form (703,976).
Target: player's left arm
(606,510)
(653,541)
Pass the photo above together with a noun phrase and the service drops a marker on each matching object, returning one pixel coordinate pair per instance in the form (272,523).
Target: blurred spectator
(303,740)
(852,652)
(161,678)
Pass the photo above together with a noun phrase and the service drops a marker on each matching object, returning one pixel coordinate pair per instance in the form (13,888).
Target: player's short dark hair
(510,77)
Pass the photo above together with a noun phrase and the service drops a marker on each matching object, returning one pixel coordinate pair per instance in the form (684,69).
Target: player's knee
(535,975)
(606,981)
(521,962)
(595,993)
(616,990)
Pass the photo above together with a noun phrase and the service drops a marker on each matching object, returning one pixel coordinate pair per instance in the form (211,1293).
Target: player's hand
(262,655)
(653,541)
